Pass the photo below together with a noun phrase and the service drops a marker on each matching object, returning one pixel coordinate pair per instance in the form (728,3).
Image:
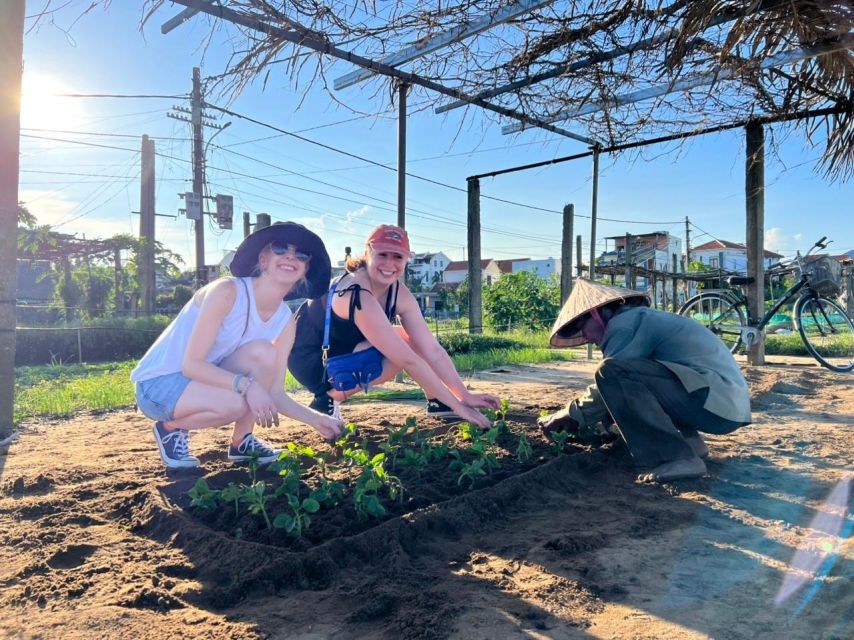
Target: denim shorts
(157,397)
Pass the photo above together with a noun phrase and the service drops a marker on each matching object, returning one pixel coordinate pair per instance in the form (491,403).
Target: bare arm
(425,344)
(325,425)
(377,329)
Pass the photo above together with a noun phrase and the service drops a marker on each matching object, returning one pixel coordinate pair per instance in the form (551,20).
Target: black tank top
(344,335)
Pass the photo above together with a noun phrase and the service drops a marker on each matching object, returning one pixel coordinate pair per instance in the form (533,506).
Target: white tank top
(166,355)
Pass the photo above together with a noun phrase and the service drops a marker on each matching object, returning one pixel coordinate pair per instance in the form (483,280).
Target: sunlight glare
(42,108)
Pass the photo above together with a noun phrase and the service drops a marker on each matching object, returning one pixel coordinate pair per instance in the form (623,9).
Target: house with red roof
(729,256)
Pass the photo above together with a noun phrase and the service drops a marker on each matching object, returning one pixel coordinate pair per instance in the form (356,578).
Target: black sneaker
(252,448)
(173,447)
(324,404)
(438,409)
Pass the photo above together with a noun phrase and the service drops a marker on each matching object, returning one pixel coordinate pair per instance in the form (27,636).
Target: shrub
(101,340)
(458,343)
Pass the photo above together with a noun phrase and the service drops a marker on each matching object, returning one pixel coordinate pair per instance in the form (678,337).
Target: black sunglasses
(281,249)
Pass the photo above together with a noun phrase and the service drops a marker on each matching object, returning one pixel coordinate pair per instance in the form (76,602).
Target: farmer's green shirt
(694,354)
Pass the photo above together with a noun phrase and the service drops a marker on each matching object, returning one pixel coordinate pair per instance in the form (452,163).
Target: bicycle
(825,329)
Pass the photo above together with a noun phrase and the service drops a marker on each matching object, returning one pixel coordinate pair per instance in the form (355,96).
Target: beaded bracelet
(245,389)
(235,382)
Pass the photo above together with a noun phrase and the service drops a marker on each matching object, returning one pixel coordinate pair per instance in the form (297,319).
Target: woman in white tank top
(224,357)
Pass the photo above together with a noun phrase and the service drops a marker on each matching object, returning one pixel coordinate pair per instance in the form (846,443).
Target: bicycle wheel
(723,316)
(827,332)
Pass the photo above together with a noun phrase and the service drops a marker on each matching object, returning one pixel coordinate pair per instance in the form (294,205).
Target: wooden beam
(755,240)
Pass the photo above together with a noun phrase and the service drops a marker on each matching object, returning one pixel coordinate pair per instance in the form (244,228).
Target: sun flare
(42,106)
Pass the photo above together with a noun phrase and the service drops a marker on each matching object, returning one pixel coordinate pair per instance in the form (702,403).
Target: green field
(60,391)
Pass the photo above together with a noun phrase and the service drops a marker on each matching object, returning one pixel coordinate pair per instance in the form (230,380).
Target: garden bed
(373,474)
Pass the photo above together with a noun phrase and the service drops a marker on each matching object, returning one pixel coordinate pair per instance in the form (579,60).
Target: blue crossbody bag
(350,370)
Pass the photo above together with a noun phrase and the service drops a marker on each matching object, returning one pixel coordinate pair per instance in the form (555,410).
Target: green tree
(521,299)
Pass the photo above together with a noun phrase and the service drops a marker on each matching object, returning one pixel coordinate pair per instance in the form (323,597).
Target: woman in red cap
(357,316)
(223,358)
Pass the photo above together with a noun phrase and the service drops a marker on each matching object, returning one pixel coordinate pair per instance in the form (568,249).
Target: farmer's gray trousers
(654,411)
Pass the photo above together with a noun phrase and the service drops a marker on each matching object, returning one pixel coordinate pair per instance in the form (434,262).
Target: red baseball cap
(388,237)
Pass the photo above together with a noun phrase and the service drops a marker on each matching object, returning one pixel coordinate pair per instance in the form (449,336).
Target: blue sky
(92,190)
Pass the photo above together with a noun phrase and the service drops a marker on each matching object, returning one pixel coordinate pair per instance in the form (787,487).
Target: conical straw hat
(585,297)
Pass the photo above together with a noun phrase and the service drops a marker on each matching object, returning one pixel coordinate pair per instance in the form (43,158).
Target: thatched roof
(734,41)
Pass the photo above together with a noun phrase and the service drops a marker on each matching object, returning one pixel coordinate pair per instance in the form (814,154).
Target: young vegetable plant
(231,494)
(328,492)
(202,496)
(372,478)
(472,471)
(523,449)
(256,499)
(560,438)
(298,520)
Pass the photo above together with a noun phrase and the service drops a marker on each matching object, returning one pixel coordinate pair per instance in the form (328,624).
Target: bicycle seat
(739,280)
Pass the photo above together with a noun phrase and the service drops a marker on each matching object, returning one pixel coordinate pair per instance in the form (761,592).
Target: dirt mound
(103,545)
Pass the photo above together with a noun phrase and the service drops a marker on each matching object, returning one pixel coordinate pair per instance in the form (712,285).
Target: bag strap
(324,355)
(248,302)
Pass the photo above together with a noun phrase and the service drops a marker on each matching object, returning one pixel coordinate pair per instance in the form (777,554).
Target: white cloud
(777,240)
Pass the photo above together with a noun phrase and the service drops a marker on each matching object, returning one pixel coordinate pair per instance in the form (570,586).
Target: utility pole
(11,65)
(146,226)
(198,175)
(195,200)
(577,256)
(247,226)
(687,241)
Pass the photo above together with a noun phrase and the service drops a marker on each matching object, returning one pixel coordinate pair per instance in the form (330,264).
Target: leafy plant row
(357,478)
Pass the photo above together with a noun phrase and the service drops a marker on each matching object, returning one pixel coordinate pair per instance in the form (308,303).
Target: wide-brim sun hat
(585,297)
(319,271)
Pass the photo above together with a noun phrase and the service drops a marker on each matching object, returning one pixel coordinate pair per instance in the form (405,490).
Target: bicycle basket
(825,275)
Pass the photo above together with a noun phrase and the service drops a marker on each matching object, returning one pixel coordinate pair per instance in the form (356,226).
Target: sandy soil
(95,544)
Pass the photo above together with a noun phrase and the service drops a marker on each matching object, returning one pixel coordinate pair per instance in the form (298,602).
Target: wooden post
(247,226)
(577,256)
(755,210)
(11,65)
(402,88)
(262,220)
(475,285)
(593,211)
(146,227)
(675,284)
(849,291)
(566,253)
(627,250)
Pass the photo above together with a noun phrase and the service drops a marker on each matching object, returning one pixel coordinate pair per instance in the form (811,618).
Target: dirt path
(94,546)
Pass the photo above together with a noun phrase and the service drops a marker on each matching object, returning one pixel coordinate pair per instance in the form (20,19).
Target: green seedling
(505,407)
(348,435)
(202,496)
(472,471)
(329,494)
(232,494)
(544,413)
(560,438)
(256,500)
(298,520)
(466,431)
(372,478)
(523,449)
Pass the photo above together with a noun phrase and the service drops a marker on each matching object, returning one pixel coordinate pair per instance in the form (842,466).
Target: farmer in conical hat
(664,378)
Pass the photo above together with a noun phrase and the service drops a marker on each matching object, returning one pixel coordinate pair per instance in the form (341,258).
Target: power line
(183,96)
(101,134)
(411,175)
